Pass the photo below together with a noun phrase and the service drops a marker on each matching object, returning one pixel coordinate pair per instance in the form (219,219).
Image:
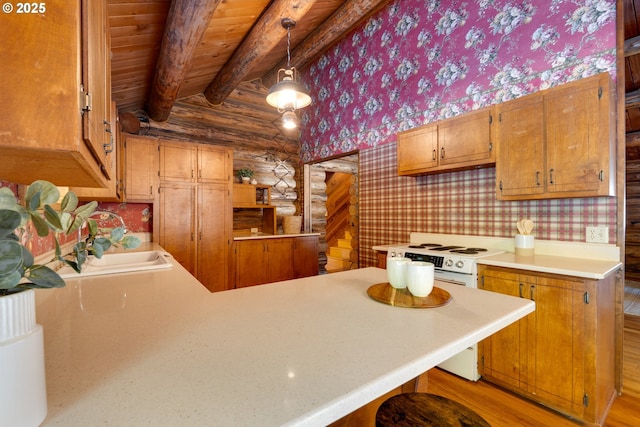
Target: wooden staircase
(340,233)
(340,257)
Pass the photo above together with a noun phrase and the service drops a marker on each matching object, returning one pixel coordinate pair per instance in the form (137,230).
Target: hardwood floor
(504,409)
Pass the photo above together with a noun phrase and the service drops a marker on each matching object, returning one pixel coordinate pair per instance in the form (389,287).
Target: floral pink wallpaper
(419,61)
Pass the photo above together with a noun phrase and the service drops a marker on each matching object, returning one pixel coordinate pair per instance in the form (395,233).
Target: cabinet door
(95,77)
(251,262)
(305,256)
(557,348)
(520,166)
(466,140)
(177,161)
(280,259)
(214,164)
(113,192)
(177,209)
(41,115)
(214,240)
(417,150)
(503,353)
(141,169)
(577,126)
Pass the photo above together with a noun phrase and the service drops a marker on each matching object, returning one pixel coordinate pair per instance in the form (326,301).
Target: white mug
(420,276)
(396,271)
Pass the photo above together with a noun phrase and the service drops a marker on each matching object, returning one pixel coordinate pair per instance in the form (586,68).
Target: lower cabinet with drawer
(267,260)
(562,355)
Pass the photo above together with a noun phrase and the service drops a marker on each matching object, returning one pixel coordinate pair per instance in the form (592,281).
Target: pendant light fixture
(290,120)
(288,95)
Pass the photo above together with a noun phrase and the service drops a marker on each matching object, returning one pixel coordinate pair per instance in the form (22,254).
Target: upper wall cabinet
(557,143)
(202,163)
(54,114)
(458,143)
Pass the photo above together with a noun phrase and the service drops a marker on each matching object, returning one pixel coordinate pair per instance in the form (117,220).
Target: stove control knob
(448,262)
(460,264)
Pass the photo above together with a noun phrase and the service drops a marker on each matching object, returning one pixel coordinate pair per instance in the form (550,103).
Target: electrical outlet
(597,234)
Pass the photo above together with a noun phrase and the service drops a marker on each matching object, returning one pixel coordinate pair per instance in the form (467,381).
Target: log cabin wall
(632,237)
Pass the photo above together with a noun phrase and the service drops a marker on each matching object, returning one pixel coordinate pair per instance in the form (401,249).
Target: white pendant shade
(290,120)
(288,95)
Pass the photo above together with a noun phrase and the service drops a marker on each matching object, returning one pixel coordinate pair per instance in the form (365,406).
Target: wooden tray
(387,294)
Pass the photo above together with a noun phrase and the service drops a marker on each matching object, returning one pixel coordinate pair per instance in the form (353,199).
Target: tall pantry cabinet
(194,214)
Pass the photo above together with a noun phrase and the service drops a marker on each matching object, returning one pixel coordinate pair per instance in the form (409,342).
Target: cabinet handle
(433,156)
(442,153)
(531,294)
(551,176)
(520,290)
(601,176)
(199,173)
(538,178)
(151,190)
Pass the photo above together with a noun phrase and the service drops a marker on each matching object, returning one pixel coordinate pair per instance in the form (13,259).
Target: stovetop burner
(425,245)
(468,251)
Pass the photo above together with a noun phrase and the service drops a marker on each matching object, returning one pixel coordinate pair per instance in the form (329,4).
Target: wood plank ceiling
(164,51)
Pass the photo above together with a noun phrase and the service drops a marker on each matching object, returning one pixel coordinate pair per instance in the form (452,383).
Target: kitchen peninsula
(158,348)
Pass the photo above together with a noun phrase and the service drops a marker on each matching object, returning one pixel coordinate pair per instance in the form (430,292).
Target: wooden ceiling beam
(350,14)
(259,42)
(187,22)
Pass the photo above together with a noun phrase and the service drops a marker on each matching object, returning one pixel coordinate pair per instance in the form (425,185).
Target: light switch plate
(597,234)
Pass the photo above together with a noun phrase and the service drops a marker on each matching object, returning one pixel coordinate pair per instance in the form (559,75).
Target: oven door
(455,278)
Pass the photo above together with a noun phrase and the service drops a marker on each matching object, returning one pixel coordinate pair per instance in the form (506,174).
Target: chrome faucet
(113,214)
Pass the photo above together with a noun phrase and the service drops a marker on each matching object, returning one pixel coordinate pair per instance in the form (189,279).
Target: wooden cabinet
(305,256)
(562,354)
(458,143)
(141,169)
(177,211)
(255,198)
(557,143)
(259,261)
(55,111)
(194,211)
(183,162)
(114,191)
(214,236)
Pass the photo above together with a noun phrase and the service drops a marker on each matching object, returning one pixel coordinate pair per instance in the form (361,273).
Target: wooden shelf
(249,196)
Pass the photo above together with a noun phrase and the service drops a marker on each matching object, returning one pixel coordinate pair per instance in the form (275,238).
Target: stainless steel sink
(124,262)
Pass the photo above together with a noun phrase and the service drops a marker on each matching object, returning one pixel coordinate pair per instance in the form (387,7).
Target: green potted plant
(23,398)
(245,174)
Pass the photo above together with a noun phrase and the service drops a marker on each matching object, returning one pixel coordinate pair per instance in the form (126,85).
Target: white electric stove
(455,262)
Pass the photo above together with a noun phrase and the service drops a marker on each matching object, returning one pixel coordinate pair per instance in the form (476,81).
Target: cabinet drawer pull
(551,176)
(442,153)
(433,155)
(538,178)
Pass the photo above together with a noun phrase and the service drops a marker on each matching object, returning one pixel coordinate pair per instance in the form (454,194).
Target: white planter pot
(23,392)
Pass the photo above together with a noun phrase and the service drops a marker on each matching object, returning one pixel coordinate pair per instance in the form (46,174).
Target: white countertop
(157,348)
(586,260)
(576,267)
(253,236)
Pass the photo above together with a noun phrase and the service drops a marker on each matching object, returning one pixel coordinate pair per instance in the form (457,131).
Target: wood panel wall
(632,238)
